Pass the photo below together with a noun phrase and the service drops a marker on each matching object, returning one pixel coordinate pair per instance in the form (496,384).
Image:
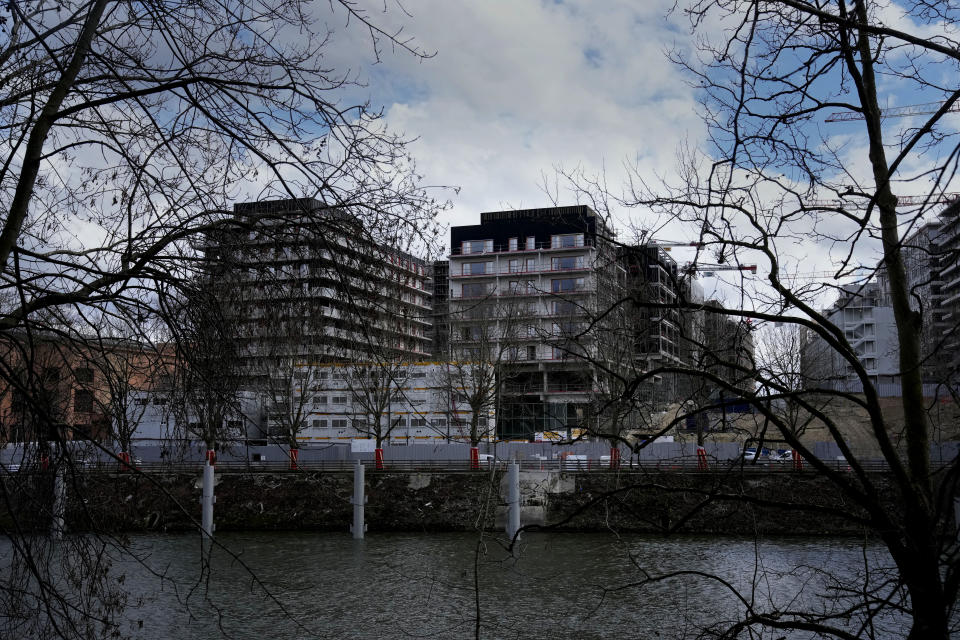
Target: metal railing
(689,464)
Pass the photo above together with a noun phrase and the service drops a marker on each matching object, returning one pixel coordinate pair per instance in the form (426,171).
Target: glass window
(563,285)
(512,244)
(566,241)
(531,352)
(564,307)
(477,268)
(566,263)
(530,265)
(531,243)
(474,290)
(83,401)
(514,265)
(477,246)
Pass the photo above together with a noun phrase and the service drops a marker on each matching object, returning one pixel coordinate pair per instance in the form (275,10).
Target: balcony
(514,294)
(457,252)
(521,272)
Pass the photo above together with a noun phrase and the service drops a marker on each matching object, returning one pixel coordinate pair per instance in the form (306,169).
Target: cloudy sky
(517,89)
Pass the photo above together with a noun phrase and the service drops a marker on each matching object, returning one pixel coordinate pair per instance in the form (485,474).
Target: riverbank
(626,500)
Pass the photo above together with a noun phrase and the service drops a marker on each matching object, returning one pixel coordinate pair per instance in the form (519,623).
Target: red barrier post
(378,456)
(474,457)
(702,464)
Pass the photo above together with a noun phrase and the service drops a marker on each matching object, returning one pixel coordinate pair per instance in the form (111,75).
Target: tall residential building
(946,304)
(441,309)
(526,289)
(931,256)
(299,282)
(666,327)
(866,319)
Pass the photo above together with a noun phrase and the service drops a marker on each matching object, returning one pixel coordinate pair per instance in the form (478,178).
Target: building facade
(298,283)
(865,317)
(527,289)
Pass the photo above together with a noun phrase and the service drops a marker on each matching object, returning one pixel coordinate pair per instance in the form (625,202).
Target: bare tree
(774,176)
(127,131)
(489,334)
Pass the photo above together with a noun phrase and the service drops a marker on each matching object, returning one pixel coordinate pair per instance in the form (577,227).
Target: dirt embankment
(851,419)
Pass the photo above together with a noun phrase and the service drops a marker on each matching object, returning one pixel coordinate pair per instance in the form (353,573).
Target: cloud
(518,88)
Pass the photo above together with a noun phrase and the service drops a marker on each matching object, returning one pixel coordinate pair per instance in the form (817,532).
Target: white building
(866,318)
(421,404)
(157,422)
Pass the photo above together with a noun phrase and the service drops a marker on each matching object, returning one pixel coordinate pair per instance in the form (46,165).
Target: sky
(517,90)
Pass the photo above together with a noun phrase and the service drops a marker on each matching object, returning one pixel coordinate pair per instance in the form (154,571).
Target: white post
(59,502)
(513,502)
(207,500)
(358,528)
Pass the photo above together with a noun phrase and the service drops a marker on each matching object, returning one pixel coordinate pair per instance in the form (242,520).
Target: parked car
(781,455)
(751,455)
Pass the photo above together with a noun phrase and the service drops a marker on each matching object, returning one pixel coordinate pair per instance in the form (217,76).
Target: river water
(303,585)
(261,586)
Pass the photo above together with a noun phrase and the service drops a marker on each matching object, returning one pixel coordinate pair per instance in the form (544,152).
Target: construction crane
(926,108)
(666,246)
(708,270)
(821,274)
(902,201)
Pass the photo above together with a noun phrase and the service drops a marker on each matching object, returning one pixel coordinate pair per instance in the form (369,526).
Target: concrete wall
(627,501)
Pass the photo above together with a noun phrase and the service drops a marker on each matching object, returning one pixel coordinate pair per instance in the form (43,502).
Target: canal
(304,585)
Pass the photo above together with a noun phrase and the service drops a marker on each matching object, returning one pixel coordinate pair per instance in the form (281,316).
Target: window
(512,244)
(477,268)
(84,374)
(530,265)
(566,263)
(142,402)
(319,423)
(338,400)
(531,286)
(339,423)
(531,243)
(83,401)
(567,328)
(563,285)
(418,422)
(160,401)
(564,307)
(400,421)
(469,333)
(531,352)
(319,400)
(513,265)
(513,286)
(474,290)
(566,241)
(439,422)
(477,246)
